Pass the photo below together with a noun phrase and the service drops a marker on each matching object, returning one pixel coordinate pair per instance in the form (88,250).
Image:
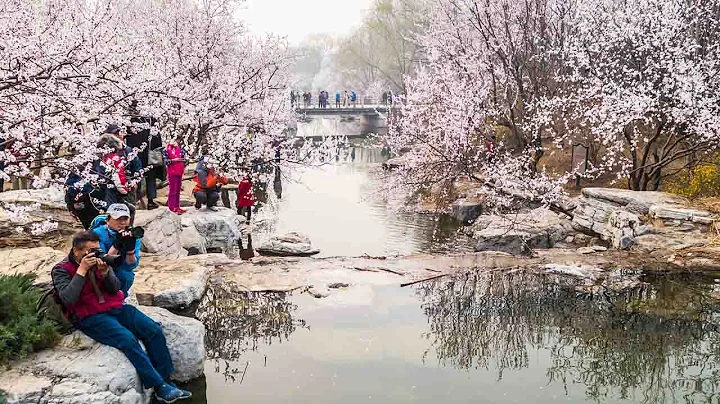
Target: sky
(297,19)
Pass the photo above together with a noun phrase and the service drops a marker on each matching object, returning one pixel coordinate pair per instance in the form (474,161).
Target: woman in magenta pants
(176,158)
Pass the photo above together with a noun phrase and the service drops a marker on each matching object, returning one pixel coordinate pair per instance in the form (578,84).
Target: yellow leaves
(701,181)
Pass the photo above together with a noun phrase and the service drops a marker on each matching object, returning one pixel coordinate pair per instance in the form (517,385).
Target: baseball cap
(118,210)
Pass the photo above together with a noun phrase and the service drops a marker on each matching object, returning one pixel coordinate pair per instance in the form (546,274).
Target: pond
(339,208)
(493,337)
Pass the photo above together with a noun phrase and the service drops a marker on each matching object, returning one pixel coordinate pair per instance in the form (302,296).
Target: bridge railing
(361,102)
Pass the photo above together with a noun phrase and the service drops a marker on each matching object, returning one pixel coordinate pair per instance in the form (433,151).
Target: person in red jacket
(92,300)
(245,198)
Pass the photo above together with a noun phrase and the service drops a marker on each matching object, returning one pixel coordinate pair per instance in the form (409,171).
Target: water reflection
(237,322)
(656,342)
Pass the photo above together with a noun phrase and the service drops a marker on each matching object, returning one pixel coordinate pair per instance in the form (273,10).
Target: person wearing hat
(115,241)
(92,300)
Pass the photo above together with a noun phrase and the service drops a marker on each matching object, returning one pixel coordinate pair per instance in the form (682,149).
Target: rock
(162,232)
(48,198)
(219,229)
(585,250)
(466,212)
(38,261)
(520,233)
(338,285)
(621,228)
(171,283)
(570,239)
(41,206)
(318,293)
(186,341)
(192,241)
(599,248)
(80,370)
(638,202)
(287,245)
(667,212)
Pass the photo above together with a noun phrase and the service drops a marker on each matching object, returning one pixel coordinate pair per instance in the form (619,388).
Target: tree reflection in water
(238,321)
(656,342)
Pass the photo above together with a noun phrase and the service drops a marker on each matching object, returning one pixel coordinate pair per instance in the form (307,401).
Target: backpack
(50,307)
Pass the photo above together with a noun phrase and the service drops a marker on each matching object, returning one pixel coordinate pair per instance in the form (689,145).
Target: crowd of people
(129,159)
(343,98)
(92,283)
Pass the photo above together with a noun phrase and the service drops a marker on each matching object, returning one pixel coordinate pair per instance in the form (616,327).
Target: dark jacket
(136,139)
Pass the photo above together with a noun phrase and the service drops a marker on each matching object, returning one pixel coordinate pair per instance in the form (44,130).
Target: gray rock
(287,245)
(193,241)
(585,250)
(667,212)
(79,370)
(162,232)
(48,198)
(466,212)
(520,233)
(220,229)
(186,341)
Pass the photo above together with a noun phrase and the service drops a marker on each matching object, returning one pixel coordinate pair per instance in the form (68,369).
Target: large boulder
(466,211)
(617,215)
(25,214)
(172,283)
(80,370)
(38,261)
(520,233)
(162,232)
(219,229)
(288,245)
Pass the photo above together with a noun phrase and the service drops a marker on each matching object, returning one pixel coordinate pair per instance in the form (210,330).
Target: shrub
(21,330)
(701,181)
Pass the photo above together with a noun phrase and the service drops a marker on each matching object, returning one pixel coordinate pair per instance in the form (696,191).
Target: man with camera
(118,238)
(92,300)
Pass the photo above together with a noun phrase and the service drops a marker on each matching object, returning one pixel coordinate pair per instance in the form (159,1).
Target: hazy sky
(297,19)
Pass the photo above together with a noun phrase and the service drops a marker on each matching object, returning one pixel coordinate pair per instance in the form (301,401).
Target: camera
(106,258)
(132,232)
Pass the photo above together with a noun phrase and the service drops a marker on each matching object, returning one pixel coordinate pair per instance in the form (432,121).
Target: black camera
(106,258)
(132,232)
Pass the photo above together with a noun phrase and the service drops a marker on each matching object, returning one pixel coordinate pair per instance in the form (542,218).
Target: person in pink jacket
(176,158)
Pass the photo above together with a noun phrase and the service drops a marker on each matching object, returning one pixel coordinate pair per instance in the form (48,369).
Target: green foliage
(21,330)
(701,181)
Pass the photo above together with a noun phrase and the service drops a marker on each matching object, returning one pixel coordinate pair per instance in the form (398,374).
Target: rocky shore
(609,231)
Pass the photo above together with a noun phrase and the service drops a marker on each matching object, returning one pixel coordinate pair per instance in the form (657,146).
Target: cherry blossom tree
(644,80)
(507,81)
(489,66)
(68,70)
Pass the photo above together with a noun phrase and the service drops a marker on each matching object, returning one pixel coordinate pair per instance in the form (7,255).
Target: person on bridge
(337,99)
(346,98)
(353,99)
(292,99)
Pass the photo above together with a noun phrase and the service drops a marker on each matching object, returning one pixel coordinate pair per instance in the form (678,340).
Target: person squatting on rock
(176,158)
(245,197)
(79,198)
(116,238)
(92,300)
(207,184)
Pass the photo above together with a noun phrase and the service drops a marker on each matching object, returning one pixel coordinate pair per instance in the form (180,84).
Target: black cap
(112,128)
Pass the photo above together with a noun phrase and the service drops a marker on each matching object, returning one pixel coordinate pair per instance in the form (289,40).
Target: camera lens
(137,232)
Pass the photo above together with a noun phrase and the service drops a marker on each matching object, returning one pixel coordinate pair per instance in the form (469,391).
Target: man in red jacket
(92,300)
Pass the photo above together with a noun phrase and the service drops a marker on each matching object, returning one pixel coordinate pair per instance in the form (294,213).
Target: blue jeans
(121,329)
(126,280)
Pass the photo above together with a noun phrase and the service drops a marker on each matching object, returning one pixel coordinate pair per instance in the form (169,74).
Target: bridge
(346,110)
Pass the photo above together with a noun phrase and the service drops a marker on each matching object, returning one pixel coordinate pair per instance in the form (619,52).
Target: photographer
(117,238)
(91,298)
